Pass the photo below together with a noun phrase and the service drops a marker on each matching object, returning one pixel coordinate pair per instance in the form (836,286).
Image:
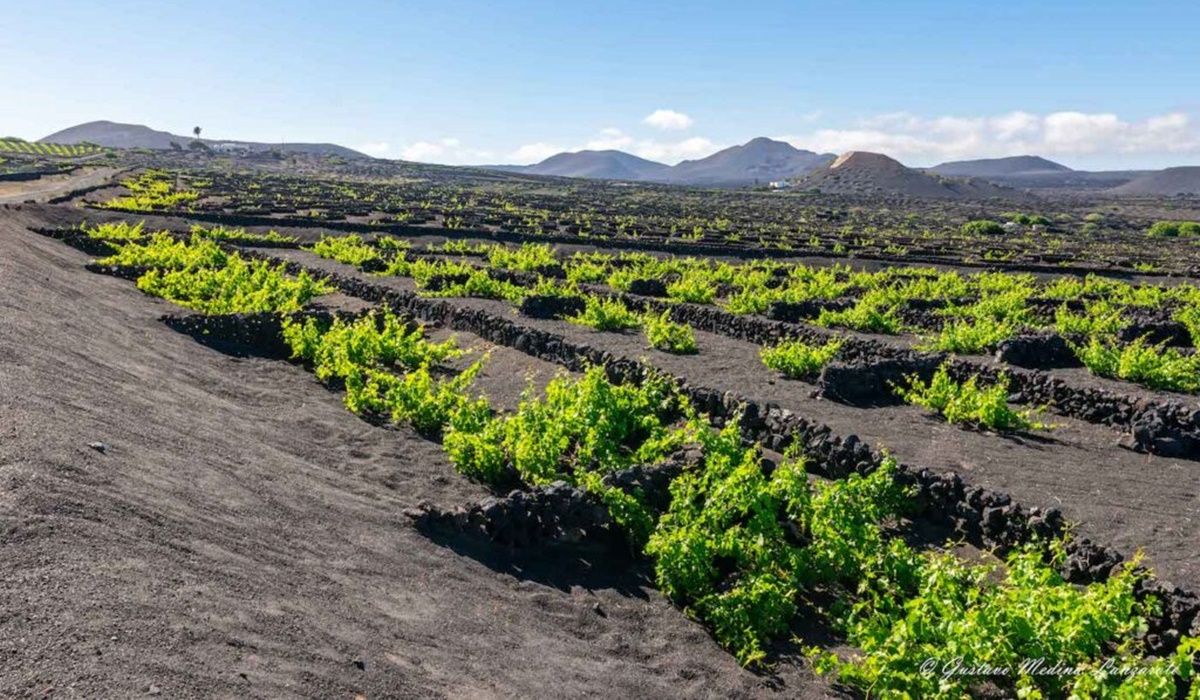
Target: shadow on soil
(596,565)
(592,565)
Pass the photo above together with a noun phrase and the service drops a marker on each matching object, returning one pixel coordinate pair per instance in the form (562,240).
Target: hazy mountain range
(1034,172)
(600,165)
(759,161)
(117,135)
(1183,180)
(763,160)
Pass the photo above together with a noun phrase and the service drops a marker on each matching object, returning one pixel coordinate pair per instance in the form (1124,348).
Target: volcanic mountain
(604,165)
(759,160)
(999,167)
(117,135)
(1171,181)
(1034,172)
(865,173)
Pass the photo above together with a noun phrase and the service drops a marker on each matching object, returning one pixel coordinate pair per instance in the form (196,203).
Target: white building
(228,147)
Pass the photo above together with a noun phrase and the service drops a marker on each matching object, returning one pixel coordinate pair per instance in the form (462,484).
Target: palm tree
(196,131)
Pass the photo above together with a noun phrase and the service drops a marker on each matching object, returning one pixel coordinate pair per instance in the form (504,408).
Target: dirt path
(242,535)
(50,186)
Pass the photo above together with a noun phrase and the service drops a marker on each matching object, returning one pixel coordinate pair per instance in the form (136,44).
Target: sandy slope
(242,535)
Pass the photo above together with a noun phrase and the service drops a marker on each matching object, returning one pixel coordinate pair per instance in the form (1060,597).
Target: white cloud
(924,141)
(422,151)
(1016,124)
(377,149)
(1076,132)
(668,120)
(449,151)
(534,152)
(673,152)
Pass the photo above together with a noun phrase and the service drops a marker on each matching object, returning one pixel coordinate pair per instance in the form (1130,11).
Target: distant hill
(604,165)
(117,135)
(1035,172)
(999,167)
(1171,181)
(763,160)
(864,173)
(1068,180)
(759,160)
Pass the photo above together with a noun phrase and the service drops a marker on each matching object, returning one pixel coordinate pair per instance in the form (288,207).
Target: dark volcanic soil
(240,534)
(1117,497)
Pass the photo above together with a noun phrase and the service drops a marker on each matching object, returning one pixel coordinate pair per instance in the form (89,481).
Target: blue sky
(1093,84)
